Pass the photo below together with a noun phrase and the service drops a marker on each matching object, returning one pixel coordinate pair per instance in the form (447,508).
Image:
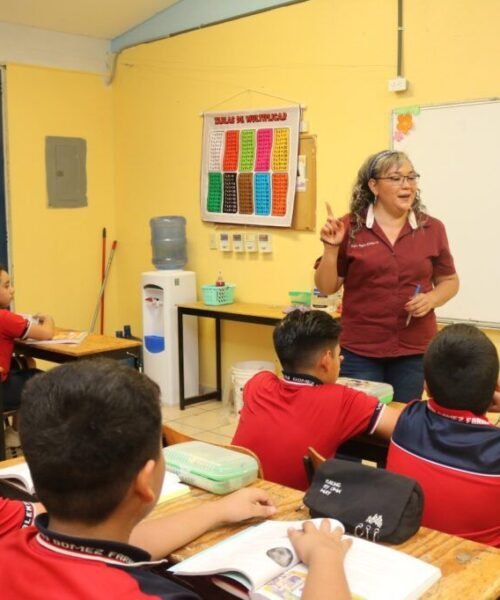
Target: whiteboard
(456,150)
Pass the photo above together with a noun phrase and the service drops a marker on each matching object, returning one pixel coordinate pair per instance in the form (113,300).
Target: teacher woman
(396,267)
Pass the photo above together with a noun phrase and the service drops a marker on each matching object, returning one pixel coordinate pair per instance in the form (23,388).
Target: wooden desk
(471,571)
(260,314)
(93,345)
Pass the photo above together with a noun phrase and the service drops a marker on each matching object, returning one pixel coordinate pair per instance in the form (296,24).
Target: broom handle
(103,272)
(103,286)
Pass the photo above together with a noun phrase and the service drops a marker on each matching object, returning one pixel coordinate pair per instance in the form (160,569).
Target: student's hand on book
(311,542)
(246,504)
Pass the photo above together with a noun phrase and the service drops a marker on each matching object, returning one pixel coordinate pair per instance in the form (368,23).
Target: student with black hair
(16,371)
(447,444)
(91,434)
(282,417)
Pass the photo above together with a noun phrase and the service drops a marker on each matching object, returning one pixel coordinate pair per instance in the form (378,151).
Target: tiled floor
(210,421)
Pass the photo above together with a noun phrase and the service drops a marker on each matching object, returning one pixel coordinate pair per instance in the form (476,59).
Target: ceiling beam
(188,15)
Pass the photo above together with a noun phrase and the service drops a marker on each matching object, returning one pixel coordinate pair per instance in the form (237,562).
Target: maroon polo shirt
(379,279)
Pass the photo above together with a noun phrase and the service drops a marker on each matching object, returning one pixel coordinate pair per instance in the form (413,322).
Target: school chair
(312,460)
(2,427)
(172,436)
(365,448)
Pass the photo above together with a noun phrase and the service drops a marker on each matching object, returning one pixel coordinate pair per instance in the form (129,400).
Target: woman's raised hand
(333,231)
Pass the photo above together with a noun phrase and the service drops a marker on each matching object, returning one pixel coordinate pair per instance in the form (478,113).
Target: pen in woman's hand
(417,292)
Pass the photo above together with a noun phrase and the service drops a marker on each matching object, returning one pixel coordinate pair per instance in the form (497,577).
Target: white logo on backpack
(370,529)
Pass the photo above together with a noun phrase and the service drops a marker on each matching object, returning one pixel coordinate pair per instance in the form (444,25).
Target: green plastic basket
(214,295)
(300,298)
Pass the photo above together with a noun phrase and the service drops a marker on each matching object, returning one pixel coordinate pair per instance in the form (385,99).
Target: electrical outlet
(400,84)
(251,242)
(224,242)
(238,242)
(265,245)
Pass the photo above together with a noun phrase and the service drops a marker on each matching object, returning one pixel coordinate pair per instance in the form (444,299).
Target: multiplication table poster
(249,166)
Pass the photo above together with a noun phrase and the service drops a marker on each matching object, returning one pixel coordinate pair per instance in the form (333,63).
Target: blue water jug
(168,242)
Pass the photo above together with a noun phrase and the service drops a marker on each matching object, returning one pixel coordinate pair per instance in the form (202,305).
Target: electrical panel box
(66,173)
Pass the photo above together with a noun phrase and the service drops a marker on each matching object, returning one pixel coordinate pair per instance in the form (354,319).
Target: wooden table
(259,314)
(470,571)
(93,345)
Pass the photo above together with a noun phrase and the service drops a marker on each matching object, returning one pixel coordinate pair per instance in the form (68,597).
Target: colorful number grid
(231,150)
(247,151)
(264,146)
(280,191)
(240,178)
(245,193)
(262,194)
(281,149)
(215,150)
(230,197)
(214,198)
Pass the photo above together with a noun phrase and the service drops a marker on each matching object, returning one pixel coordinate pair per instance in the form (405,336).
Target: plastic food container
(300,298)
(218,470)
(383,391)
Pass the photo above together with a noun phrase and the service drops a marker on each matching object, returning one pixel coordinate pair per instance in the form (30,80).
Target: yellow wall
(144,142)
(334,57)
(56,253)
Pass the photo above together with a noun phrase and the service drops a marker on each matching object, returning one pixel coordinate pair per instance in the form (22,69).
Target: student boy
(282,417)
(448,444)
(91,434)
(14,326)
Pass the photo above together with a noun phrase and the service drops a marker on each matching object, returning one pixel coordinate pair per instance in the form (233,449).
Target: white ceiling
(104,19)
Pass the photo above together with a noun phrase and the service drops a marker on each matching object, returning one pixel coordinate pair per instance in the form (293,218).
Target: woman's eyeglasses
(396,179)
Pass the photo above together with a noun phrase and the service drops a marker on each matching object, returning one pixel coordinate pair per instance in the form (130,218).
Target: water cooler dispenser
(161,291)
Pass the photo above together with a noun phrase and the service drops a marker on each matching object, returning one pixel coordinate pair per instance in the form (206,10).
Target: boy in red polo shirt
(282,417)
(447,444)
(91,434)
(12,326)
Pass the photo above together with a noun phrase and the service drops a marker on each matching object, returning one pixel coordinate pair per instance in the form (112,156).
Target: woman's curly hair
(374,166)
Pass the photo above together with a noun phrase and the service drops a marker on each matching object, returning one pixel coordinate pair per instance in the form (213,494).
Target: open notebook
(62,337)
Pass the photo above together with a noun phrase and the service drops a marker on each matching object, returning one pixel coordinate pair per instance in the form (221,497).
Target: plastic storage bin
(218,470)
(241,372)
(300,298)
(383,391)
(215,295)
